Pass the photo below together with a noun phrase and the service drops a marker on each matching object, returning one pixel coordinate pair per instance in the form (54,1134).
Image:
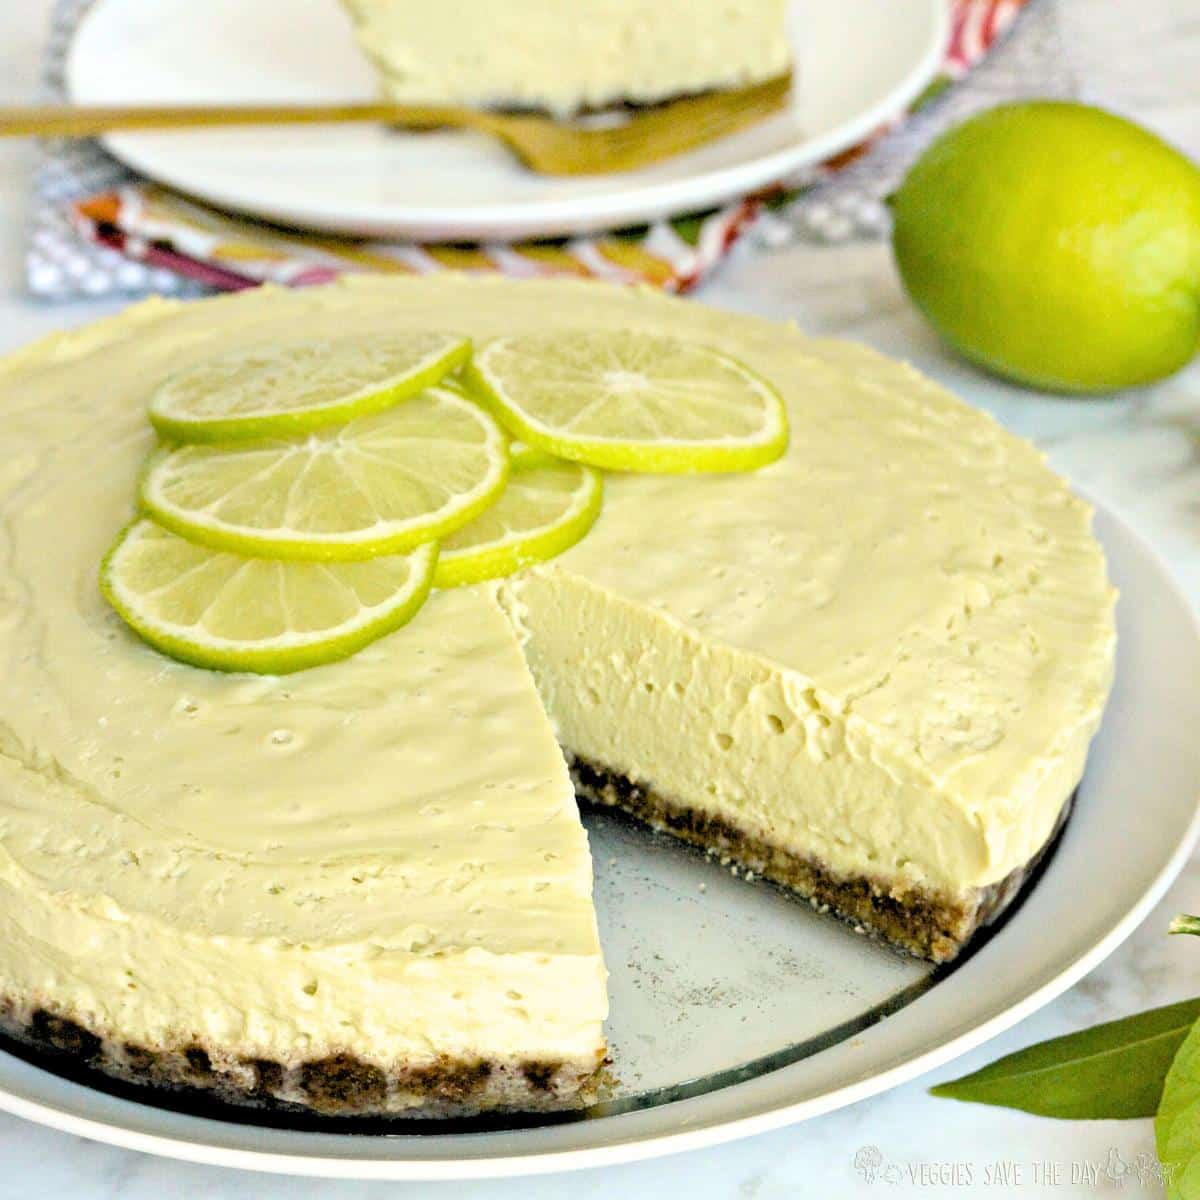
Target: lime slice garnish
(545,509)
(631,401)
(283,390)
(524,455)
(231,613)
(378,485)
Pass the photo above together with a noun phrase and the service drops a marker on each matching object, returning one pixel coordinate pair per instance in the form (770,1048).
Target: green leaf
(1112,1070)
(1177,1126)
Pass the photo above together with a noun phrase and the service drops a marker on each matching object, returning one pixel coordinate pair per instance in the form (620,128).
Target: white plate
(859,62)
(736,1010)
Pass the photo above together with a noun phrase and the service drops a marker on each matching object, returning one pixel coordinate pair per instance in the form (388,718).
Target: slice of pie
(568,57)
(869,671)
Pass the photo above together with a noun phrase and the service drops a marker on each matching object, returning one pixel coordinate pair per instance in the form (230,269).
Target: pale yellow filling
(894,645)
(567,56)
(383,855)
(888,649)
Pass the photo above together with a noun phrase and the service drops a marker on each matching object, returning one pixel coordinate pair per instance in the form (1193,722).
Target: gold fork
(543,144)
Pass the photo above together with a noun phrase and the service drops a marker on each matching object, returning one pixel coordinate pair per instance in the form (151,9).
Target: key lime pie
(585,54)
(783,598)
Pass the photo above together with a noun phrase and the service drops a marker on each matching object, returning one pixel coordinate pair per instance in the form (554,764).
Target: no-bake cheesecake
(869,671)
(563,58)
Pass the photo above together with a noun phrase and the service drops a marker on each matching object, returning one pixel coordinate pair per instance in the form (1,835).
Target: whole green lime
(1057,245)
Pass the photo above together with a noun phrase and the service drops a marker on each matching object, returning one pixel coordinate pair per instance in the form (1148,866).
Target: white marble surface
(1139,452)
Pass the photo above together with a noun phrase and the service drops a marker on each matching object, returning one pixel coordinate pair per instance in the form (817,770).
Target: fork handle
(76,121)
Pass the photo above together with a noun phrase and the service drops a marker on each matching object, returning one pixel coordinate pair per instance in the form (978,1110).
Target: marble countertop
(1138,452)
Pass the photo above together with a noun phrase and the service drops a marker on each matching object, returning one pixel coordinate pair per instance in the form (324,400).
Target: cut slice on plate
(545,509)
(282,390)
(631,401)
(378,485)
(232,613)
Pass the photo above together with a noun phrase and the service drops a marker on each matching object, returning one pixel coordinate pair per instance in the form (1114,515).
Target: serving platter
(858,64)
(736,1009)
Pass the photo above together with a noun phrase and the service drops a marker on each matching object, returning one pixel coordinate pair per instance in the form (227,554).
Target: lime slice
(545,509)
(631,401)
(379,485)
(524,455)
(231,613)
(282,390)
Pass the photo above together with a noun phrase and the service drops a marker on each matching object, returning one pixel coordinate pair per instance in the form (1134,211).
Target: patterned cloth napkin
(98,229)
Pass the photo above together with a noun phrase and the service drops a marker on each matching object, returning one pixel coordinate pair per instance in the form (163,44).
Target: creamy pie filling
(585,54)
(887,651)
